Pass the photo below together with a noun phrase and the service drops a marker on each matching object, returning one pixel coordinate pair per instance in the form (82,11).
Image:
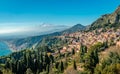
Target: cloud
(26,29)
(4,31)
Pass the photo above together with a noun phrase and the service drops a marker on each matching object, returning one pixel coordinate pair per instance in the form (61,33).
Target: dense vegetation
(44,61)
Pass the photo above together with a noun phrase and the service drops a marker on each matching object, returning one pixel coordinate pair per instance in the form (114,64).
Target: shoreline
(10,46)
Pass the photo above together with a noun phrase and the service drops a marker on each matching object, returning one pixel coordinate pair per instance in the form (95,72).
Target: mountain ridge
(23,43)
(75,28)
(107,20)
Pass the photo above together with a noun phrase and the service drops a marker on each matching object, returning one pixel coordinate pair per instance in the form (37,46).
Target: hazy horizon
(19,16)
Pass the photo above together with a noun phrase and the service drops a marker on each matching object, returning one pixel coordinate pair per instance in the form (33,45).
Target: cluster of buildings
(89,38)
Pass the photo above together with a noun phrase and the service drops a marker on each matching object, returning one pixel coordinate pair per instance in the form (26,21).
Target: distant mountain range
(75,28)
(22,43)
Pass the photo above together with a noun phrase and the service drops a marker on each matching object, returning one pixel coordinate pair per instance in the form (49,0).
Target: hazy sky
(57,12)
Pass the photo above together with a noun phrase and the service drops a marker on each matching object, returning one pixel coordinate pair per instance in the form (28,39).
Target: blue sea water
(4,49)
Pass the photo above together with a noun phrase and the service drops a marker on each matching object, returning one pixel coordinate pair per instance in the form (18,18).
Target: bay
(4,49)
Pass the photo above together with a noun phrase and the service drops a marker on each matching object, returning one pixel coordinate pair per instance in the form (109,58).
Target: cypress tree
(74,65)
(47,69)
(73,51)
(29,71)
(7,64)
(19,71)
(61,67)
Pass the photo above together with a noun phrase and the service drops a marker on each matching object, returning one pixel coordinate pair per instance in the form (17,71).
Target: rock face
(115,17)
(118,13)
(107,19)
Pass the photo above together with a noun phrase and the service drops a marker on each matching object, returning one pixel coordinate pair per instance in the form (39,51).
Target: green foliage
(74,65)
(73,51)
(29,60)
(65,64)
(61,67)
(44,61)
(1,72)
(109,65)
(47,68)
(7,71)
(99,46)
(29,71)
(91,59)
(83,50)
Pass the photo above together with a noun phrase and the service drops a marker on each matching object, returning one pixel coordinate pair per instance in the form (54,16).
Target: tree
(7,64)
(83,50)
(41,57)
(6,71)
(61,67)
(47,68)
(51,58)
(73,51)
(105,44)
(109,65)
(40,66)
(29,71)
(47,59)
(19,67)
(91,59)
(74,65)
(1,72)
(36,66)
(57,65)
(29,60)
(65,63)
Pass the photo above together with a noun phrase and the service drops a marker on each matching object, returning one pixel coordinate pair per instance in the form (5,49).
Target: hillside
(23,43)
(17,44)
(107,20)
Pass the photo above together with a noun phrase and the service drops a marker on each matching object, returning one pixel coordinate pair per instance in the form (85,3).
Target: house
(118,43)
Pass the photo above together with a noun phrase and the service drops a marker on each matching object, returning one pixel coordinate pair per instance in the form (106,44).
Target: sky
(19,13)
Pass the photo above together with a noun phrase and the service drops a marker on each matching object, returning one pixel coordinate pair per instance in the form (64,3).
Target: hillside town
(111,36)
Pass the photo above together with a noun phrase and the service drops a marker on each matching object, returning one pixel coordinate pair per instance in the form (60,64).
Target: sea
(4,49)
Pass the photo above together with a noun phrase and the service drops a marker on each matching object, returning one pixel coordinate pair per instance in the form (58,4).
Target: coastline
(5,49)
(11,47)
